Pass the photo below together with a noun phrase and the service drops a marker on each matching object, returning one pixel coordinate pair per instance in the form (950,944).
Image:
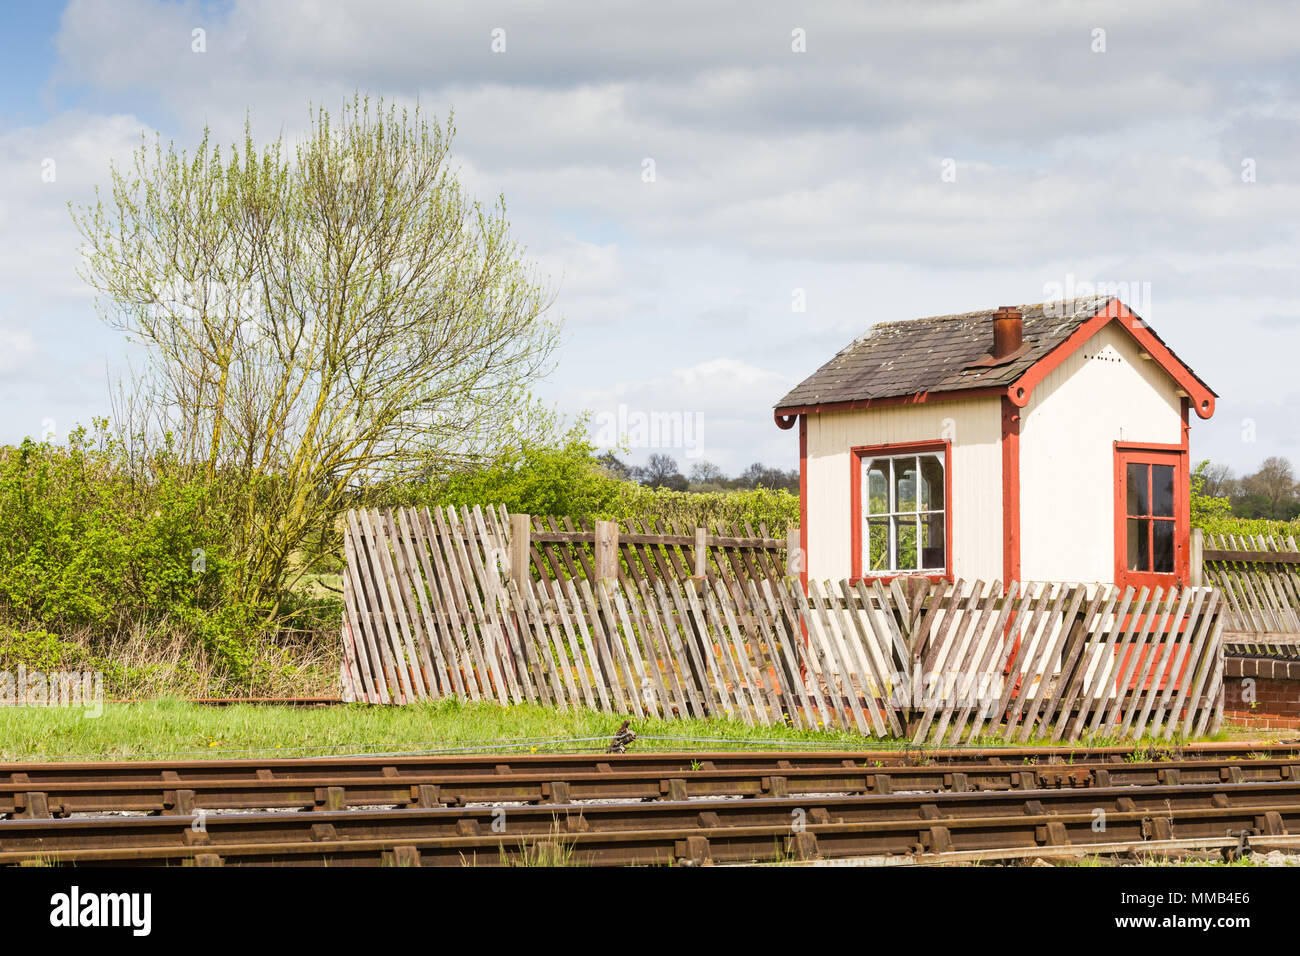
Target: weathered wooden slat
(1074,670)
(368,662)
(1204,663)
(955,624)
(699,595)
(1177,681)
(749,651)
(696,633)
(458,628)
(417,643)
(1057,633)
(1043,643)
(390,646)
(662,659)
(980,672)
(649,689)
(606,629)
(1106,665)
(446,625)
(1135,639)
(1161,662)
(471,611)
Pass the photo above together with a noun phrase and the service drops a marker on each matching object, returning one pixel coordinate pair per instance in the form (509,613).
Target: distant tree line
(1270,492)
(663,471)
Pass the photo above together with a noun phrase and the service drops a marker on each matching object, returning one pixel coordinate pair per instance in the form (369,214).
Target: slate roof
(935,354)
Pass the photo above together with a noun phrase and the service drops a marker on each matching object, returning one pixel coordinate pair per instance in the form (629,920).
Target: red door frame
(1140,453)
(855,504)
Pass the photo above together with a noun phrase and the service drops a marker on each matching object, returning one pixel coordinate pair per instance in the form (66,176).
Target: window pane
(878,544)
(878,487)
(931,483)
(1139,551)
(1137,489)
(904,484)
(1162,546)
(932,553)
(905,538)
(1162,490)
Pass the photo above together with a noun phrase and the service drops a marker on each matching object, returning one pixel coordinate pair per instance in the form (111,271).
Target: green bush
(90,541)
(38,650)
(1214,515)
(533,479)
(568,481)
(778,509)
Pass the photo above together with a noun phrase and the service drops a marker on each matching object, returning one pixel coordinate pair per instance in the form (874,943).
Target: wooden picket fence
(651,550)
(450,604)
(1260,579)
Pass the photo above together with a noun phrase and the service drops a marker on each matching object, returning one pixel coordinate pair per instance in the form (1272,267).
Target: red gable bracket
(1201,395)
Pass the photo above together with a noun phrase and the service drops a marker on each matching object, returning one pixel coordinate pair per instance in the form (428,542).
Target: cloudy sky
(817,167)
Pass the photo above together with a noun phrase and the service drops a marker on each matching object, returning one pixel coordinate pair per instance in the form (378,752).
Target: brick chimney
(1008,331)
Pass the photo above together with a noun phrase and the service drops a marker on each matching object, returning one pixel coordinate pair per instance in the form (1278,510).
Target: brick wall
(1275,687)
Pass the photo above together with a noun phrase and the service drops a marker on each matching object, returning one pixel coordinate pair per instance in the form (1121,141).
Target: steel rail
(401,785)
(36,771)
(675,830)
(39,789)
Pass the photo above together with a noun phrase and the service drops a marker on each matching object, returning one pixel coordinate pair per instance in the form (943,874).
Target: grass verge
(174,728)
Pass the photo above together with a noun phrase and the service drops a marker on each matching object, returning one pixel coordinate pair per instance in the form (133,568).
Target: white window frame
(865,497)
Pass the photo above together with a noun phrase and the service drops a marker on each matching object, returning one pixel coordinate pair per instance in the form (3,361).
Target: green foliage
(38,650)
(90,541)
(777,509)
(566,479)
(537,479)
(118,562)
(1214,515)
(1207,512)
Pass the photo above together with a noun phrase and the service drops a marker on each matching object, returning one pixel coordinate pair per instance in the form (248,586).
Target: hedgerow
(90,543)
(567,480)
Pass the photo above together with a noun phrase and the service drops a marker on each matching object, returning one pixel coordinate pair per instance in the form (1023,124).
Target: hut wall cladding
(1260,579)
(432,610)
(976,528)
(1066,456)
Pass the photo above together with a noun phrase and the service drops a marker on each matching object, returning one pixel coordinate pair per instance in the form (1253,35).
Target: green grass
(166,727)
(169,727)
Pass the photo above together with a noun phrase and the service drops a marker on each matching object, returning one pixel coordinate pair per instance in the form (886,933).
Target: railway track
(674,831)
(642,807)
(41,790)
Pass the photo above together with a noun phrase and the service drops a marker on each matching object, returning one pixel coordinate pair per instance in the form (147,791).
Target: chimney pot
(1008,331)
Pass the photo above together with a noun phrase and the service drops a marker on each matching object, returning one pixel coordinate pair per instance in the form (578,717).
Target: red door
(1151,516)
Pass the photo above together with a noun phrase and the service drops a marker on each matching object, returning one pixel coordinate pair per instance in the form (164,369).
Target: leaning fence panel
(449,603)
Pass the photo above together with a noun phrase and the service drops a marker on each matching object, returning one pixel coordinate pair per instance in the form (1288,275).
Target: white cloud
(16,350)
(774,170)
(724,405)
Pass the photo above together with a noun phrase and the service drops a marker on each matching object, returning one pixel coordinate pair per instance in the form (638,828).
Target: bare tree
(759,475)
(320,317)
(1270,492)
(706,473)
(661,471)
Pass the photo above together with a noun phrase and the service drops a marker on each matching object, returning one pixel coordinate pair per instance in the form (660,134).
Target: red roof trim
(1202,398)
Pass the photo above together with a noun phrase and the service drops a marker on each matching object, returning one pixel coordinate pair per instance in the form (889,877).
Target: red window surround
(856,456)
(1144,519)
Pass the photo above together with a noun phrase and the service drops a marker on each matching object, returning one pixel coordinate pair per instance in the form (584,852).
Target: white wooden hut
(1042,442)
